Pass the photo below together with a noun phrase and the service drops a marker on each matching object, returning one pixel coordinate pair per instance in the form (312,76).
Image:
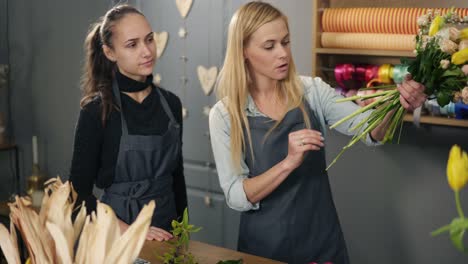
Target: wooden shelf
(438,120)
(324,60)
(363,52)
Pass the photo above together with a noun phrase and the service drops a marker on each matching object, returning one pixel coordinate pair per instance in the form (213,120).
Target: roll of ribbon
(350,76)
(399,72)
(377,20)
(385,73)
(368,41)
(343,73)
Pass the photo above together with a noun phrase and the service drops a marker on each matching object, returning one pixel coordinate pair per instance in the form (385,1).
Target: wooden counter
(203,253)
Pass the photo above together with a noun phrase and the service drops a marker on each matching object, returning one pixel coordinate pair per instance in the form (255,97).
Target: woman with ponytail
(128,139)
(267,134)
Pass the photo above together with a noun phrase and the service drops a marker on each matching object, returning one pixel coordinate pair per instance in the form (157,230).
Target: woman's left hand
(156,233)
(412,94)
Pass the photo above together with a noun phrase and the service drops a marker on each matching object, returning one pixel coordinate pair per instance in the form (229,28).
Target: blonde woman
(267,135)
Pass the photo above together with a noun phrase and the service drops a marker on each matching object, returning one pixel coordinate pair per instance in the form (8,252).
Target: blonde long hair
(233,82)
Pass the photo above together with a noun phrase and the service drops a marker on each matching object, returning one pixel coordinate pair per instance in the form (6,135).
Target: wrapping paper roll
(377,20)
(368,41)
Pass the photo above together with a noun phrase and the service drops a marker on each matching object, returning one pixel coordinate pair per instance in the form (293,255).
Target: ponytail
(98,70)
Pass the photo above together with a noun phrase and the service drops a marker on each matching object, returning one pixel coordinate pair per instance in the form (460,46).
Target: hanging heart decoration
(207,78)
(206,110)
(184,7)
(160,41)
(157,79)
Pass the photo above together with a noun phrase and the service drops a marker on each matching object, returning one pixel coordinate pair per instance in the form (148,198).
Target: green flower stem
(375,115)
(357,112)
(367,96)
(457,201)
(390,86)
(397,119)
(441,230)
(355,139)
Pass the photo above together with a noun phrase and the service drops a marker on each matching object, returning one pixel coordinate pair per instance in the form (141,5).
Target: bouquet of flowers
(441,64)
(457,176)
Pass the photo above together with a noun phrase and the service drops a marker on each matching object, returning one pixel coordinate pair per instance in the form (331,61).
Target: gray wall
(388,198)
(46,55)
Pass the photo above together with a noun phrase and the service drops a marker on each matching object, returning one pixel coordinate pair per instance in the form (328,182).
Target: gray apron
(144,170)
(297,222)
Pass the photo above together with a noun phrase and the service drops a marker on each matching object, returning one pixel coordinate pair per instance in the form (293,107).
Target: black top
(96,147)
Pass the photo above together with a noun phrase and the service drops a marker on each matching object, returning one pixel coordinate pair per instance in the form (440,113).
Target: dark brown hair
(98,71)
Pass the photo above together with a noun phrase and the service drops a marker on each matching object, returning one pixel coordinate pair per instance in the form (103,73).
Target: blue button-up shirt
(322,100)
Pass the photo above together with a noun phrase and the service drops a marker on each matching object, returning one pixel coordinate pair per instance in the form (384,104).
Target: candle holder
(3,139)
(36,180)
(4,69)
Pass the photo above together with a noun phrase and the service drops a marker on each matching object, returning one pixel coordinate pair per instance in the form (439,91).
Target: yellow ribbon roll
(377,20)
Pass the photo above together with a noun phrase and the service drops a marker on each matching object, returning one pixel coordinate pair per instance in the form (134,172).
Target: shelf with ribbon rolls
(368,35)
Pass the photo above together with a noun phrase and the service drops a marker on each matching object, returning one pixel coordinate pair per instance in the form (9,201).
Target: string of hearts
(184,7)
(160,40)
(207,77)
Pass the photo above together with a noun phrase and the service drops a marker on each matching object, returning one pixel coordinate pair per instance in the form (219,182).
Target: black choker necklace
(130,85)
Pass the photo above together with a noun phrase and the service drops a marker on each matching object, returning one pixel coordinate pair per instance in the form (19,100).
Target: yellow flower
(457,168)
(463,33)
(460,57)
(436,24)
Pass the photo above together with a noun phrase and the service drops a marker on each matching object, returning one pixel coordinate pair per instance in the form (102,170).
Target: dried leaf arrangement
(178,252)
(51,236)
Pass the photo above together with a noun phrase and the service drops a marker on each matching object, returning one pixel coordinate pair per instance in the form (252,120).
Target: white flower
(448,46)
(464,95)
(463,44)
(451,33)
(465,69)
(454,33)
(444,64)
(443,33)
(423,21)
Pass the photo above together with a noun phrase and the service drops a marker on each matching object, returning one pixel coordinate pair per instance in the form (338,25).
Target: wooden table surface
(203,253)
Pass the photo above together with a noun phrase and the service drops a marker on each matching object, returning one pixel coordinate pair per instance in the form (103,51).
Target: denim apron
(297,222)
(144,170)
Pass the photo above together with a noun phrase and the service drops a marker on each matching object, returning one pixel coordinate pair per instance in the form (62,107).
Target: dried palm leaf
(127,248)
(60,213)
(8,245)
(64,253)
(49,236)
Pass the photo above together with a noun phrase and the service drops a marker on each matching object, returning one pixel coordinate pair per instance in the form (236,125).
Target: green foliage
(178,253)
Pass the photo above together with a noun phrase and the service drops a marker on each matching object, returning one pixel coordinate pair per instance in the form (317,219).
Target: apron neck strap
(165,105)
(162,99)
(115,89)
